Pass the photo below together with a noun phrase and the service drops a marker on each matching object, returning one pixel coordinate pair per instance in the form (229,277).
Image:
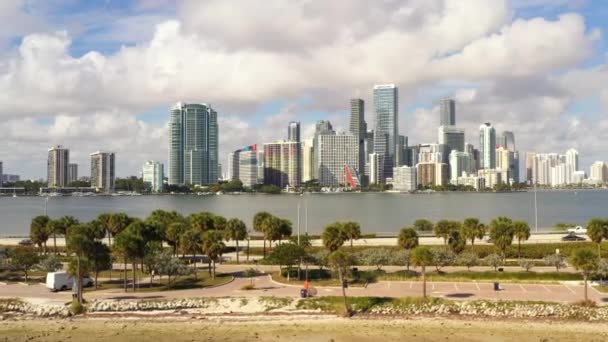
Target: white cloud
(239,55)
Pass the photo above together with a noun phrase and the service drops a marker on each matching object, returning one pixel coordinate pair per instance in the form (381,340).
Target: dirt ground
(295,329)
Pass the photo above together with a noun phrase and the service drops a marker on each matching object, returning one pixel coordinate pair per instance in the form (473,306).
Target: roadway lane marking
(478,289)
(433,286)
(523,288)
(388,284)
(456,287)
(411,284)
(571,290)
(546,288)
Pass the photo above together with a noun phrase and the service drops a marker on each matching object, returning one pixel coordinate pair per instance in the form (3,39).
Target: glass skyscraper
(447,112)
(193,144)
(386,125)
(487,146)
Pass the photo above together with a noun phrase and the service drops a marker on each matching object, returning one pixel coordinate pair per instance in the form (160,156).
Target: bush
(526,264)
(250,272)
(248,287)
(493,260)
(468,259)
(76,308)
(442,258)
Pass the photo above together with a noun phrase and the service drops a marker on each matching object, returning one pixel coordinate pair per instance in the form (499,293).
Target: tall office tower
(193,144)
(102,171)
(507,140)
(386,124)
(57,171)
(515,166)
(260,157)
(322,127)
(358,127)
(293,131)
(283,163)
(432,174)
(530,158)
(432,153)
(404,178)
(487,146)
(401,151)
(505,161)
(72,173)
(153,175)
(1,174)
(337,152)
(452,137)
(376,168)
(413,154)
(571,165)
(243,165)
(599,171)
(307,160)
(460,162)
(447,112)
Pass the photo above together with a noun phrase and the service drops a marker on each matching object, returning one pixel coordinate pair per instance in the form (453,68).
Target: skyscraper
(571,165)
(452,137)
(72,172)
(322,127)
(386,124)
(307,160)
(244,165)
(459,162)
(282,163)
(102,171)
(335,153)
(153,174)
(57,171)
(487,146)
(293,131)
(599,171)
(358,127)
(447,112)
(1,174)
(404,178)
(193,144)
(507,140)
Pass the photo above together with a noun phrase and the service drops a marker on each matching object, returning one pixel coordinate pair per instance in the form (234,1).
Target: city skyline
(564,92)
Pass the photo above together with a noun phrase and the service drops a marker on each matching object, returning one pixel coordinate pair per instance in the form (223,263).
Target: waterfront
(376,212)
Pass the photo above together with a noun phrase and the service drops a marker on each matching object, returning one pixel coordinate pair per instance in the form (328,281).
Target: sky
(102,75)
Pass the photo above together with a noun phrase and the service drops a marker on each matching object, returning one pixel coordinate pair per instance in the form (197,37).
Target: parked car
(61,281)
(26,242)
(577,230)
(573,237)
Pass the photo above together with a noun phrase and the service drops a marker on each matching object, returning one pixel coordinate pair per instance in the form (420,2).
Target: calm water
(381,213)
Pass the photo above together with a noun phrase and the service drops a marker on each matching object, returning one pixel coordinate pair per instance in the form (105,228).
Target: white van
(61,281)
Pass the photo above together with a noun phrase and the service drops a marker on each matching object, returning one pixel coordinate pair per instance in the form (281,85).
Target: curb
(317,287)
(218,285)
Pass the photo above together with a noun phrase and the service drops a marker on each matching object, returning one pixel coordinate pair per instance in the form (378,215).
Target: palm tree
(501,232)
(116,223)
(235,230)
(130,245)
(260,224)
(55,227)
(597,230)
(521,231)
(352,230)
(219,222)
(341,263)
(284,229)
(190,242)
(333,236)
(174,233)
(442,229)
(585,261)
(423,225)
(408,238)
(212,245)
(472,229)
(422,256)
(39,231)
(79,241)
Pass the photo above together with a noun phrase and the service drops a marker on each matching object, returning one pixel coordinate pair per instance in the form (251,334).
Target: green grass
(181,283)
(602,288)
(363,304)
(322,278)
(484,276)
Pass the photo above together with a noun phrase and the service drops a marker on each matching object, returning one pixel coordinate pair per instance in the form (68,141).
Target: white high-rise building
(598,172)
(72,172)
(335,153)
(487,146)
(404,178)
(102,171)
(243,165)
(460,162)
(308,160)
(58,161)
(571,165)
(376,168)
(153,173)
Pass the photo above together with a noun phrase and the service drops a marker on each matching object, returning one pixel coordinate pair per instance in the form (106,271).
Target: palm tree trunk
(213,273)
(125,274)
(346,308)
(248,249)
(518,248)
(423,282)
(96,275)
(55,242)
(264,248)
(78,280)
(599,250)
(351,243)
(194,265)
(133,270)
(585,278)
(237,252)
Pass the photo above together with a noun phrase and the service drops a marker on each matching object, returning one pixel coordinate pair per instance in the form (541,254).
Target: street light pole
(535,208)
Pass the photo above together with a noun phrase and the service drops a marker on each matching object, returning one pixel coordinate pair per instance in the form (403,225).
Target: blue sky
(102,74)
